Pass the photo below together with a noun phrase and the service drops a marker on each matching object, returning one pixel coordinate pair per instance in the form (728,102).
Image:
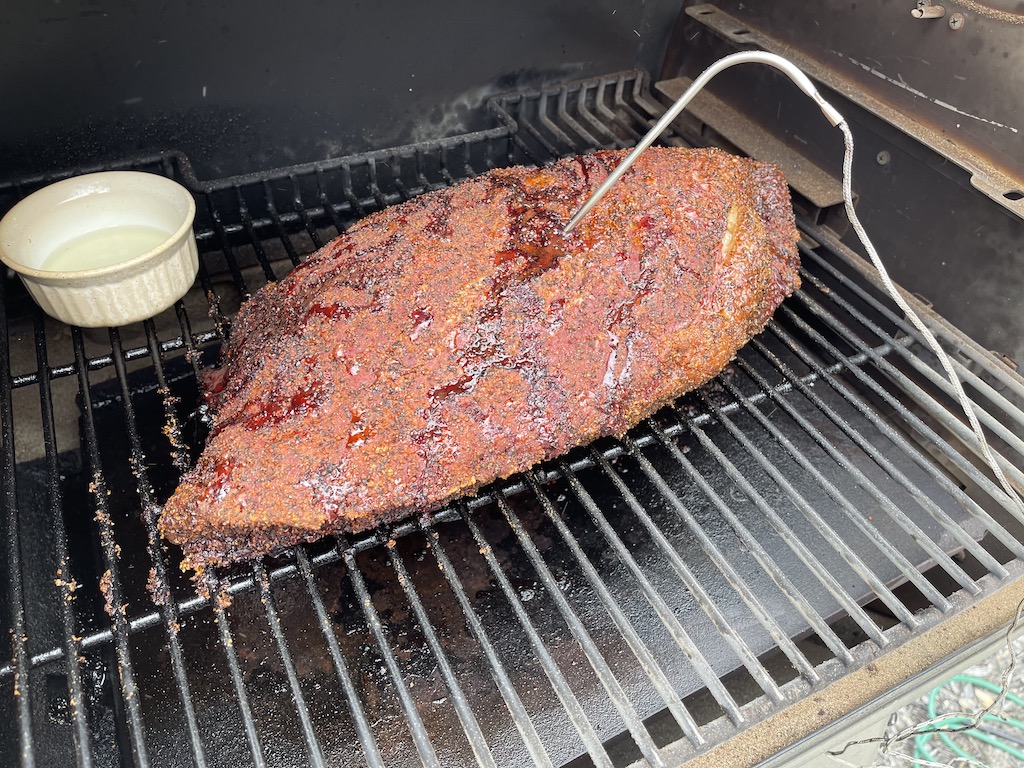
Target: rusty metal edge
(882,680)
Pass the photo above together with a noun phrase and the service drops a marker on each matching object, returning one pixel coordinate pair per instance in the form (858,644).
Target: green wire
(921,751)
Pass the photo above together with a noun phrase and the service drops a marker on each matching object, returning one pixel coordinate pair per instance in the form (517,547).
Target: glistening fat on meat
(459,337)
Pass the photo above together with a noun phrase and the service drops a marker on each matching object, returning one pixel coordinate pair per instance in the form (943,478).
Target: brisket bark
(459,337)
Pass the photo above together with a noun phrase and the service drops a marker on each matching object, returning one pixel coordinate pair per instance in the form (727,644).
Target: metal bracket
(820,188)
(985,176)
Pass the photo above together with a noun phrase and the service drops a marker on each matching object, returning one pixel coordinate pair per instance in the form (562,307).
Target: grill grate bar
(827,532)
(435,146)
(330,208)
(862,480)
(671,623)
(116,607)
(224,244)
(968,376)
(969,469)
(602,107)
(559,684)
(957,532)
(984,415)
(468,720)
(563,115)
(545,120)
(219,601)
(450,164)
(102,637)
(604,673)
(641,95)
(192,353)
(1001,371)
(897,514)
(466,159)
(947,418)
(220,322)
(981,357)
(150,512)
(348,192)
(421,176)
(366,740)
(876,537)
(626,629)
(420,737)
(303,212)
(253,239)
(198,602)
(523,721)
(786,532)
(172,429)
(541,139)
(65,586)
(450,167)
(764,559)
(103,361)
(204,236)
(22,187)
(378,196)
(313,749)
(1007,407)
(396,172)
(611,140)
(930,403)
(15,584)
(277,219)
(746,594)
(933,406)
(636,90)
(522,146)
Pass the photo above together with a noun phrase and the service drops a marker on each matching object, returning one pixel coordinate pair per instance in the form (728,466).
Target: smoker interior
(816,505)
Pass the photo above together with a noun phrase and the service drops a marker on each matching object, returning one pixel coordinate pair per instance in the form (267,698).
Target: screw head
(956,21)
(883,157)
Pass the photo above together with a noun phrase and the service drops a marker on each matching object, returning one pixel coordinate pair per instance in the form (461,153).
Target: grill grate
(816,505)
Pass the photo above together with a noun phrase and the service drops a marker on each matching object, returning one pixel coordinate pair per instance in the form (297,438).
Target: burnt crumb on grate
(172,429)
(106,589)
(159,591)
(222,596)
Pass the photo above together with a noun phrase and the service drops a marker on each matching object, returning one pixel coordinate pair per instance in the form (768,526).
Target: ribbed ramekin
(131,290)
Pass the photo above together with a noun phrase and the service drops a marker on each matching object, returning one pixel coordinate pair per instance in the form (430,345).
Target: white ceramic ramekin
(133,289)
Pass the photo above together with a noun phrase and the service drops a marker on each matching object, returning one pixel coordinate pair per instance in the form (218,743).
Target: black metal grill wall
(247,86)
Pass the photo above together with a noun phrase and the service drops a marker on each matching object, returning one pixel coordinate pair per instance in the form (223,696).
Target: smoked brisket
(459,337)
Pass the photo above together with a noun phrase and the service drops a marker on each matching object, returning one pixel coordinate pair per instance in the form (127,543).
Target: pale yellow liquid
(104,247)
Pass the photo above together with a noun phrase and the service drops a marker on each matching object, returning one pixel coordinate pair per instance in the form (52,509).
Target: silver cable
(835,118)
(929,337)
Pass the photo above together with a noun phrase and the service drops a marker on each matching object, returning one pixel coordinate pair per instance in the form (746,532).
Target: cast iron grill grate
(764,536)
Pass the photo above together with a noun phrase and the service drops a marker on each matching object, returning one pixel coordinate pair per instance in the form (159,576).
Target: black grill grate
(817,504)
